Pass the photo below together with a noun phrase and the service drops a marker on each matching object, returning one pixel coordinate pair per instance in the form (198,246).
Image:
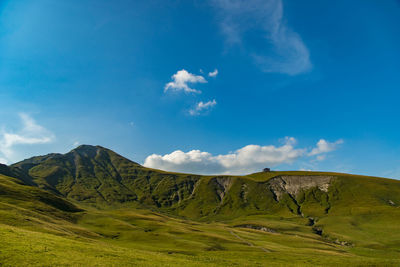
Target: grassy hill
(92,206)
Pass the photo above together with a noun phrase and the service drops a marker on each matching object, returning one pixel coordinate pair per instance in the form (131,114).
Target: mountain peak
(86,148)
(87,172)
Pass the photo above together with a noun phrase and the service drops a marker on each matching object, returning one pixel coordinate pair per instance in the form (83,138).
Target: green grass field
(32,232)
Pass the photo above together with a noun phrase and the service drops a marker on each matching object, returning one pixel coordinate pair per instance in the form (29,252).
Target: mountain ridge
(100,177)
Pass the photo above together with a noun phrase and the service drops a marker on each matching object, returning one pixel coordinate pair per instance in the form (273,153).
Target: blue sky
(299,84)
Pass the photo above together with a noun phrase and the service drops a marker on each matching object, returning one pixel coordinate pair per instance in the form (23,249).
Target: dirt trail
(247,242)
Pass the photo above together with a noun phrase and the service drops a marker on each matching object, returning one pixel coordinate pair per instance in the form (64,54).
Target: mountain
(5,170)
(91,194)
(99,176)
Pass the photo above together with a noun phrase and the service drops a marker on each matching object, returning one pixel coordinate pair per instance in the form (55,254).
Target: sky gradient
(219,86)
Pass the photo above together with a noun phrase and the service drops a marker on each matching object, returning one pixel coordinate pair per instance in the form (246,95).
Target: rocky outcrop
(293,185)
(223,183)
(257,227)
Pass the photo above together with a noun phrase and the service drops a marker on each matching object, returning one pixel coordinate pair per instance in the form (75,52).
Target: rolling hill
(107,210)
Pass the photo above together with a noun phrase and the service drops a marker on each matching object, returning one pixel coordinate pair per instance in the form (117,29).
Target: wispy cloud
(213,73)
(30,134)
(282,49)
(250,158)
(202,107)
(324,146)
(181,81)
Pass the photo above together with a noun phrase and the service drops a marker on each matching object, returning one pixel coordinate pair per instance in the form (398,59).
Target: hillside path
(247,242)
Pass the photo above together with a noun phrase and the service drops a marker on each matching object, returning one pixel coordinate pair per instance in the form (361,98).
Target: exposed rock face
(292,185)
(224,183)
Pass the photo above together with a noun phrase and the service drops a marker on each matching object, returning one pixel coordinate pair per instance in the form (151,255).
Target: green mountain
(105,209)
(98,176)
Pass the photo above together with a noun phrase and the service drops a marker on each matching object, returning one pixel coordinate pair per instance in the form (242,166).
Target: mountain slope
(38,228)
(98,176)
(350,218)
(32,208)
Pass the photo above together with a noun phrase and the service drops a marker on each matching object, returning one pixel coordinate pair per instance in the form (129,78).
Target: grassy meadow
(35,232)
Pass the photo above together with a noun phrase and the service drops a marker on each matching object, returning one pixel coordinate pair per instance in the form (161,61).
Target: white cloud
(288,140)
(323,147)
(30,134)
(282,49)
(3,161)
(213,73)
(202,107)
(181,79)
(248,159)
